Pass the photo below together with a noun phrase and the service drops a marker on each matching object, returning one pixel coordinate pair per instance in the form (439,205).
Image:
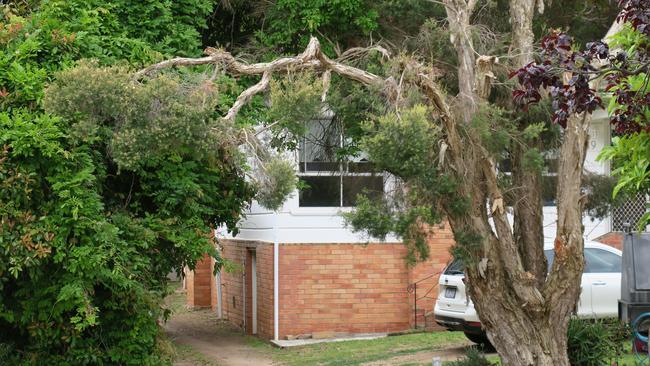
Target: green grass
(352,353)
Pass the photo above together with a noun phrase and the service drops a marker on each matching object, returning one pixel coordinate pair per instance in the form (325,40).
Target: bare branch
(246,96)
(311,59)
(471,5)
(357,52)
(327,76)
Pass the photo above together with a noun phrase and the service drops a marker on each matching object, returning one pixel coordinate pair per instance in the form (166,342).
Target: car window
(601,261)
(456,267)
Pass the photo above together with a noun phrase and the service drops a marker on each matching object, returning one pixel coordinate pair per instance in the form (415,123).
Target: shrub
(595,343)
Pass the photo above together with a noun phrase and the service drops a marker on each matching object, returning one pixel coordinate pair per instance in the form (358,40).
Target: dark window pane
(372,186)
(361,167)
(505,166)
(322,191)
(601,261)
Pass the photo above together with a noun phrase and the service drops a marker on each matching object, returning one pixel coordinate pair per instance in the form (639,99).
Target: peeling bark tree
(524,311)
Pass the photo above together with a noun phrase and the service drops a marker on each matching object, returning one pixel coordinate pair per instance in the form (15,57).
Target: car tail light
(474,324)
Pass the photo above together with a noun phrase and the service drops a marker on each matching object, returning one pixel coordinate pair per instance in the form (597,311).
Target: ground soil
(451,354)
(215,340)
(202,339)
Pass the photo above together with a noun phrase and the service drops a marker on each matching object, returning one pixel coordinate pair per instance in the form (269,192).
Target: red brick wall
(239,252)
(232,286)
(614,239)
(343,288)
(355,288)
(428,273)
(340,288)
(265,290)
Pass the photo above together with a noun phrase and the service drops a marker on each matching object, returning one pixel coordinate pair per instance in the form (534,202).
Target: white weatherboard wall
(325,224)
(299,225)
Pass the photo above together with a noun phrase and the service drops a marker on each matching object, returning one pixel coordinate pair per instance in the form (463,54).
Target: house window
(332,180)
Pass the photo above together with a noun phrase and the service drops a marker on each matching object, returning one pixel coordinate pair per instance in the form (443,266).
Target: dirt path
(203,340)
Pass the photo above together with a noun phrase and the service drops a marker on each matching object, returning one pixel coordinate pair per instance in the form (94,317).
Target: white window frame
(343,171)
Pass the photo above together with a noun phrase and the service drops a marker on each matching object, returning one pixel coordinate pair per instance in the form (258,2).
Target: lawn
(388,350)
(352,353)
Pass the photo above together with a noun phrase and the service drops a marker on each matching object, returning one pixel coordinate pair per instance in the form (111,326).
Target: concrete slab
(305,342)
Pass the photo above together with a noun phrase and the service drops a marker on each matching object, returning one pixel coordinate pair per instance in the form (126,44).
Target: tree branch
(246,96)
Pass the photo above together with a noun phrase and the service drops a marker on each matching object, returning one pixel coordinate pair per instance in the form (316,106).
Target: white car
(601,290)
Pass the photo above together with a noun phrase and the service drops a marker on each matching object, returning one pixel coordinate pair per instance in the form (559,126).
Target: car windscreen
(456,267)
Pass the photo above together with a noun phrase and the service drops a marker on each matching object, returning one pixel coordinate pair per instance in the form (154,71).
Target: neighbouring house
(320,279)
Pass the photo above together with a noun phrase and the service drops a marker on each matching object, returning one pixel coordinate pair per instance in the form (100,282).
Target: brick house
(320,279)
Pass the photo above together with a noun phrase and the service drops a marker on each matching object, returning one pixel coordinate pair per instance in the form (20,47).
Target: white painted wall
(325,224)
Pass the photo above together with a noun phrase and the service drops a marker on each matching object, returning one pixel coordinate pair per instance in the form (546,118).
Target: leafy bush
(595,343)
(105,186)
(473,357)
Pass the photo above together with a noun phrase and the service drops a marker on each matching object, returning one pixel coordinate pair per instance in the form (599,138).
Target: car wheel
(480,339)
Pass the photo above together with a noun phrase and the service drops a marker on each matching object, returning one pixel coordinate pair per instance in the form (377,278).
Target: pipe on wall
(276,279)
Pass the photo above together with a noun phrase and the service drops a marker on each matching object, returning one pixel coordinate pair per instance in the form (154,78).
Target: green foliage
(402,143)
(533,160)
(600,200)
(278,182)
(116,185)
(628,39)
(630,153)
(596,342)
(533,130)
(86,248)
(57,32)
(290,23)
(405,144)
(164,115)
(371,216)
(468,243)
(631,158)
(295,100)
(493,128)
(585,20)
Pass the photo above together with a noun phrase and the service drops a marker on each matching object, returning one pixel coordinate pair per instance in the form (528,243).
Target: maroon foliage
(566,75)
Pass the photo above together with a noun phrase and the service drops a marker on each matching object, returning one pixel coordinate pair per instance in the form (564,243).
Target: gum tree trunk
(524,313)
